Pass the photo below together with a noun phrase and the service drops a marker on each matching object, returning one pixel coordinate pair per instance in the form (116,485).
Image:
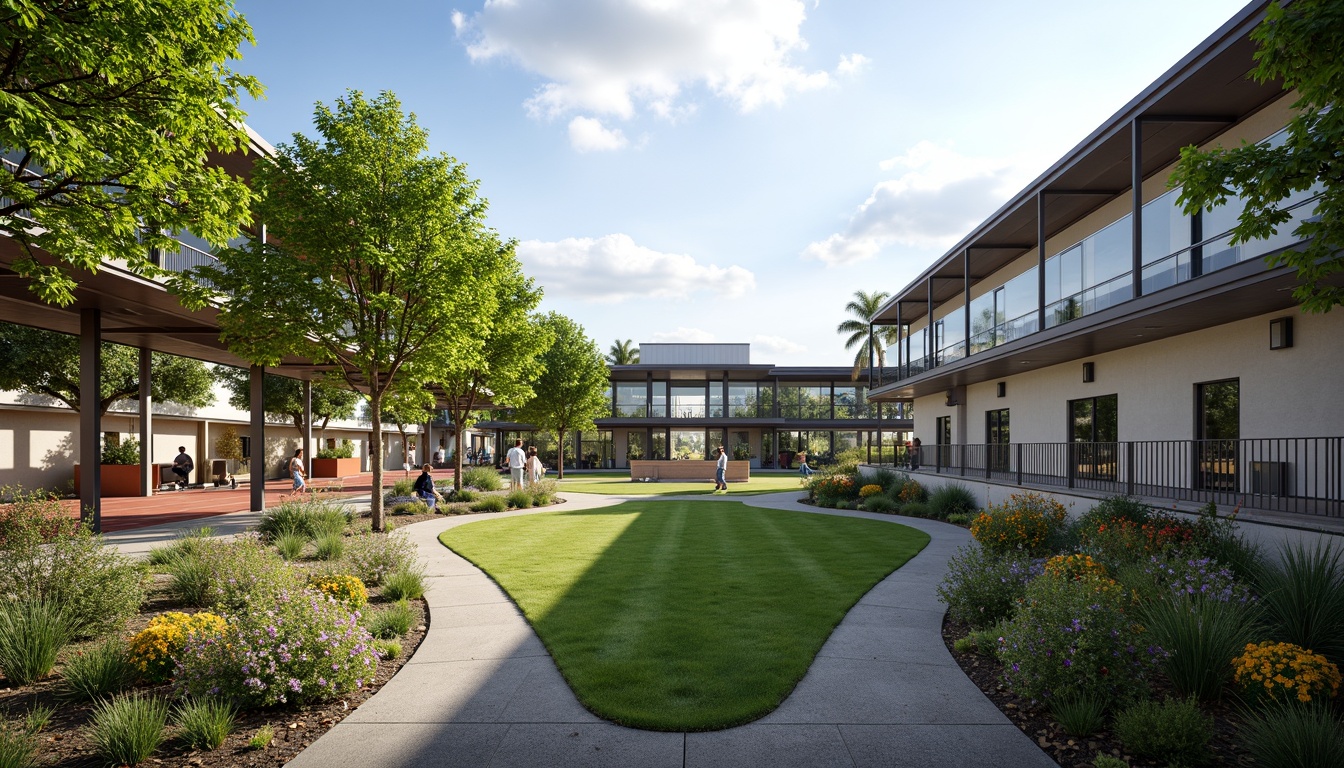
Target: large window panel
(742,400)
(688,401)
(631,400)
(659,407)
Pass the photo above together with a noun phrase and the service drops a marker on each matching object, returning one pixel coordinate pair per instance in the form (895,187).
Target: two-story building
(1092,335)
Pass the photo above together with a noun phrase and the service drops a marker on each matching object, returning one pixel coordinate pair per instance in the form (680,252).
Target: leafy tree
(1301,44)
(377,263)
(503,372)
(623,353)
(111,110)
(282,397)
(47,363)
(572,390)
(404,408)
(228,445)
(864,306)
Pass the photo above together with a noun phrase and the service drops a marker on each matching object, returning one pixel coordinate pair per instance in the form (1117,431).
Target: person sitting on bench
(182,466)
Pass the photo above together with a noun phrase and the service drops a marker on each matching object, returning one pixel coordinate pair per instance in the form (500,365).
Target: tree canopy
(623,353)
(282,397)
(863,306)
(573,387)
(503,372)
(379,259)
(1301,44)
(47,363)
(111,109)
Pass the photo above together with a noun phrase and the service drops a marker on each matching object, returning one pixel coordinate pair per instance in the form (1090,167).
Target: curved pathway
(482,691)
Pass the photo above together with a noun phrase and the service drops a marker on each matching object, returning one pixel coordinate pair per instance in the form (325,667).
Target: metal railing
(1302,475)
(185,260)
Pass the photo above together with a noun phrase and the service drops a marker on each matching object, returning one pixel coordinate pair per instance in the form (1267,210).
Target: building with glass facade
(683,400)
(1093,335)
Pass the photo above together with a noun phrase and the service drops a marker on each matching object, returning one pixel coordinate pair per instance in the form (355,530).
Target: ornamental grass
(99,672)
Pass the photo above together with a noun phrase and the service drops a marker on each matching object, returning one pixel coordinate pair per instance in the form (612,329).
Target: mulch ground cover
(1070,752)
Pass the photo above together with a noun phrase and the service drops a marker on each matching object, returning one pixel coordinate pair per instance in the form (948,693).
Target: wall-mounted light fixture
(1003,389)
(1281,333)
(1089,373)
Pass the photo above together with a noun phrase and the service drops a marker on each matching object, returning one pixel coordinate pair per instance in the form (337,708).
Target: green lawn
(684,615)
(618,483)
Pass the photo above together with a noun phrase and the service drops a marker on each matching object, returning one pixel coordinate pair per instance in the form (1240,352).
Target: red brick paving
(126,513)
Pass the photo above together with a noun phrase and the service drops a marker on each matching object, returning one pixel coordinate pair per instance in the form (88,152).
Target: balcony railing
(1298,475)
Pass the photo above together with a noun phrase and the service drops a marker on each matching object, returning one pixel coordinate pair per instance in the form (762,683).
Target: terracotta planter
(117,479)
(335,467)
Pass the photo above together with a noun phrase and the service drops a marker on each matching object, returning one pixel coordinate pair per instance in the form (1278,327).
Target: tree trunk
(560,455)
(376,450)
(405,449)
(457,450)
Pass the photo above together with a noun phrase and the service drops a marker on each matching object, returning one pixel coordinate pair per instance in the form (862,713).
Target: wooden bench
(738,471)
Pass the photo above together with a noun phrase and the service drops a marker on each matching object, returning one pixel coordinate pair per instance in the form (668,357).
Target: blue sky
(729,170)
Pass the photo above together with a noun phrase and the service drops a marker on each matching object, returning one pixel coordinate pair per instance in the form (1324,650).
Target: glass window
(851,402)
(658,445)
(742,400)
(1218,425)
(631,400)
(659,407)
(1094,429)
(688,401)
(634,446)
(688,444)
(596,450)
(1166,228)
(716,399)
(804,401)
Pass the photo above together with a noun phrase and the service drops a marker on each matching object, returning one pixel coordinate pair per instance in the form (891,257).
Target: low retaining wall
(738,471)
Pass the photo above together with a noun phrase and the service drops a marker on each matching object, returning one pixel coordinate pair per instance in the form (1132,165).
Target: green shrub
(981,588)
(543,492)
(489,504)
(1303,598)
(392,621)
(46,554)
(387,649)
(204,723)
(1072,637)
(123,452)
(1202,636)
(344,450)
(1081,715)
(372,556)
(1174,731)
(405,585)
(401,488)
(185,544)
(410,508)
(519,498)
(262,738)
(890,481)
(1164,576)
(880,503)
(952,499)
(100,672)
(1027,522)
(832,487)
(127,730)
(1108,761)
(315,651)
(915,509)
(1112,509)
(32,634)
(190,579)
(290,545)
(17,748)
(959,519)
(466,494)
(308,517)
(1294,735)
(329,546)
(482,478)
(243,571)
(964,645)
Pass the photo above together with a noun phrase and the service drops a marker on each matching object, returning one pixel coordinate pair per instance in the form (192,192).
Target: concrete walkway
(482,690)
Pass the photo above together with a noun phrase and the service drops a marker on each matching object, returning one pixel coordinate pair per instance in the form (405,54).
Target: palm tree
(623,353)
(864,306)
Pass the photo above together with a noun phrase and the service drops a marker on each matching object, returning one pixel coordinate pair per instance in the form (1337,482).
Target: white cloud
(852,64)
(938,197)
(614,268)
(684,335)
(618,58)
(777,345)
(587,134)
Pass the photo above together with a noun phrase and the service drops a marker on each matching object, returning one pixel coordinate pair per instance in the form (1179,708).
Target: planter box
(335,467)
(117,479)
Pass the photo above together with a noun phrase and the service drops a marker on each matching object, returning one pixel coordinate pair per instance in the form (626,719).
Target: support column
(148,469)
(308,451)
(872,354)
(966,307)
(1040,261)
(929,341)
(257,470)
(90,419)
(1136,218)
(427,439)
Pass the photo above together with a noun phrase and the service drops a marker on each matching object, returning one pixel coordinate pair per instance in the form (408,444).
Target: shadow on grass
(680,615)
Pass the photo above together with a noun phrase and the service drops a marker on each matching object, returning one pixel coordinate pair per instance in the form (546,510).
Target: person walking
(517,459)
(535,469)
(914,454)
(424,486)
(182,466)
(296,471)
(721,472)
(804,471)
